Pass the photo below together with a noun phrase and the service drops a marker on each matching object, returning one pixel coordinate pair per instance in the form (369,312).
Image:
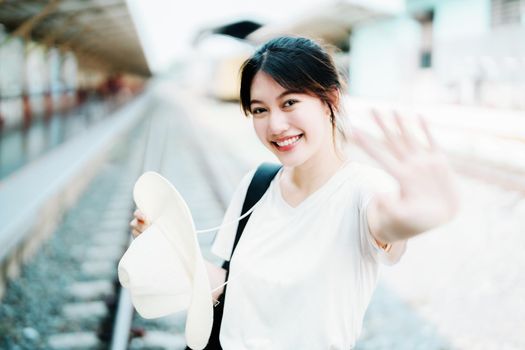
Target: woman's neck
(313,173)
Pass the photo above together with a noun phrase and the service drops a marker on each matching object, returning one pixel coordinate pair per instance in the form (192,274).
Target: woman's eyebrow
(281,95)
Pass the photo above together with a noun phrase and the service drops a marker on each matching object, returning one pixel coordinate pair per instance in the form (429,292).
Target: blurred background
(95,92)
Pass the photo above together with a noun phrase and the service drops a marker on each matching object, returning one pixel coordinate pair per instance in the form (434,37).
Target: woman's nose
(278,123)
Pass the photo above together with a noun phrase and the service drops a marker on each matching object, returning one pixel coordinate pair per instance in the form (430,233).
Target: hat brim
(158,199)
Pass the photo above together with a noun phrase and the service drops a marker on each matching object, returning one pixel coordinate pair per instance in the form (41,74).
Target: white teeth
(289,141)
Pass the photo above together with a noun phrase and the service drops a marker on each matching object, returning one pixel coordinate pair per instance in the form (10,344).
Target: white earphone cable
(231,222)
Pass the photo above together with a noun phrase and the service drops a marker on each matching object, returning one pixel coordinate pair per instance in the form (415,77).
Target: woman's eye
(289,103)
(258,110)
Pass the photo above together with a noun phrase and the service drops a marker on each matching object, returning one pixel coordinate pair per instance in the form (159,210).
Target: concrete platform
(34,198)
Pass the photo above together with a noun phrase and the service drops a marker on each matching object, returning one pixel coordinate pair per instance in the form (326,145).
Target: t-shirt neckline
(311,197)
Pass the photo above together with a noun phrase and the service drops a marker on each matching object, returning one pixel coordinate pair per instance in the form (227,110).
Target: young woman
(307,264)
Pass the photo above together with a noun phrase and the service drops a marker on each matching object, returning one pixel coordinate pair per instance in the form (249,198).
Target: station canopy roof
(331,21)
(100,32)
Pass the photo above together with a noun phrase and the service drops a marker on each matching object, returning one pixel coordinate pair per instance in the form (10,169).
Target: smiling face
(295,126)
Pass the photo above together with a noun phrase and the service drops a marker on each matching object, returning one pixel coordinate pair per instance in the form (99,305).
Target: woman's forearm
(388,224)
(217,276)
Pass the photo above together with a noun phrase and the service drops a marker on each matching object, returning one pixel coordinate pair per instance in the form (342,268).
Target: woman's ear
(334,97)
(333,100)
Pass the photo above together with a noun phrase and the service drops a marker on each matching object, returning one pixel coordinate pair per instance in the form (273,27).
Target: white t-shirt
(302,277)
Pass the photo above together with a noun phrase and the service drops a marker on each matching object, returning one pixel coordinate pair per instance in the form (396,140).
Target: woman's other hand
(139,223)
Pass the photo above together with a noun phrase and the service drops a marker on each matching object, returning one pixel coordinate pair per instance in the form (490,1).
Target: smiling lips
(287,144)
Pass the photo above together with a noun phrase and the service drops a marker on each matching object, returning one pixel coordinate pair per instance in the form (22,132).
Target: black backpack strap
(260,182)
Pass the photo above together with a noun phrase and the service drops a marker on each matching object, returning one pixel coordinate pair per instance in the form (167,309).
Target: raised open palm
(428,193)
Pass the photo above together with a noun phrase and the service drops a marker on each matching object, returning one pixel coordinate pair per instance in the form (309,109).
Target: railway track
(67,296)
(64,297)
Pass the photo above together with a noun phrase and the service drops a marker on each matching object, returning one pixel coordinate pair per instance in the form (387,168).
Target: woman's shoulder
(248,175)
(246,178)
(242,186)
(364,168)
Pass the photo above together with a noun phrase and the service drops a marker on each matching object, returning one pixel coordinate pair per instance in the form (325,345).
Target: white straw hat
(163,267)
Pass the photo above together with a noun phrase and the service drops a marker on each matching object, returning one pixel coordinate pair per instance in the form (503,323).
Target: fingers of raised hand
(406,139)
(374,149)
(430,138)
(406,135)
(392,140)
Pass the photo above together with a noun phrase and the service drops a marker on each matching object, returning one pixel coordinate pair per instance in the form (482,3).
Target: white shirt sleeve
(223,243)
(376,181)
